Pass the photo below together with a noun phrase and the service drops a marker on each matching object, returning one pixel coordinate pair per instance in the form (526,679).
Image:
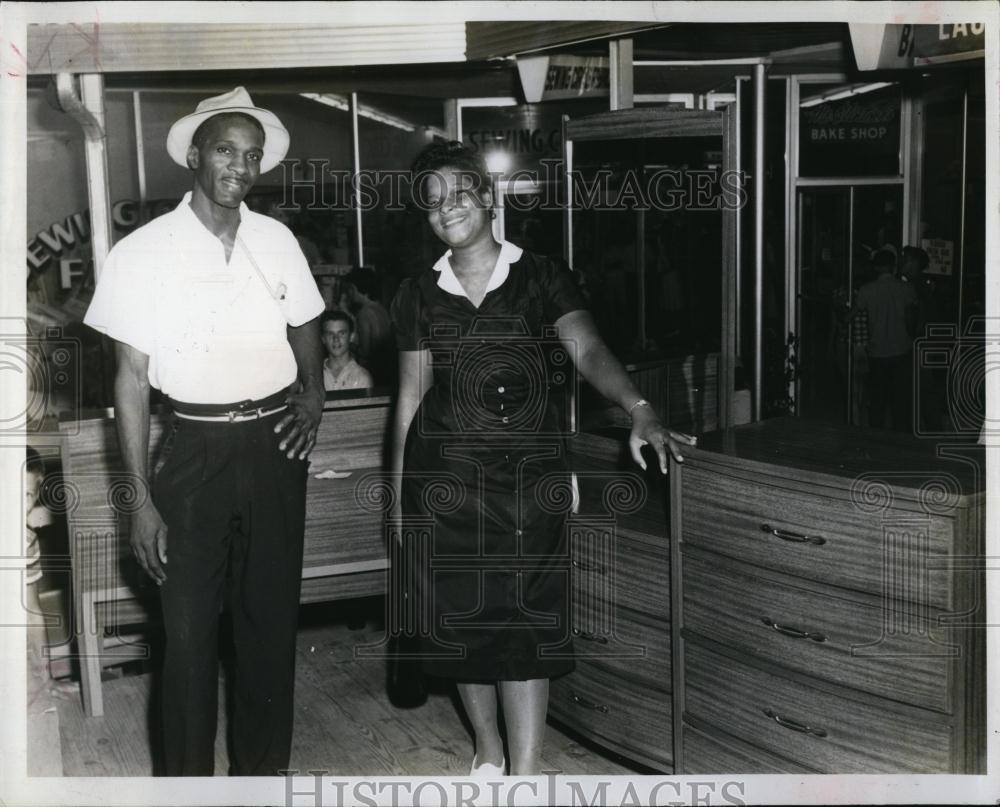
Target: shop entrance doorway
(840,229)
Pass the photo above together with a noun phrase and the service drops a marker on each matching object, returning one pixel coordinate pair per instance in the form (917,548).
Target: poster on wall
(940,254)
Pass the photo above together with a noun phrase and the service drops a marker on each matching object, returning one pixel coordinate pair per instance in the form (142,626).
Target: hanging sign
(888,47)
(560,76)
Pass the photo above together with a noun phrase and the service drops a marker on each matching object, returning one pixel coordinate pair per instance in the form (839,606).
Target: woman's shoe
(486,769)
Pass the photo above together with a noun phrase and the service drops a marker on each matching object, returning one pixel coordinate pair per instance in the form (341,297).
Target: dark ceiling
(415,92)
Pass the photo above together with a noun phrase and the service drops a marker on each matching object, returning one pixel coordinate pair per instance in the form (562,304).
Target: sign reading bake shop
(849,130)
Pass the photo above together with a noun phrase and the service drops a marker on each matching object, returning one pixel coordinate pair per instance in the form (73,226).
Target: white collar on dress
(509,253)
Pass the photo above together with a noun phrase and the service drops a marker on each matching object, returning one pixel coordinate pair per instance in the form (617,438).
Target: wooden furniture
(684,391)
(620,692)
(345,553)
(825,591)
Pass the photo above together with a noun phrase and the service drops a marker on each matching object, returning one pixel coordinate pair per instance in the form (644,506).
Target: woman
(478,430)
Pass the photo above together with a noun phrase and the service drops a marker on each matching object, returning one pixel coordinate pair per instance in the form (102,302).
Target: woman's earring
(493,213)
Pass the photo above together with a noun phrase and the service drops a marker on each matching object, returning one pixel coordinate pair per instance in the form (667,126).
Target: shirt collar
(185,208)
(509,253)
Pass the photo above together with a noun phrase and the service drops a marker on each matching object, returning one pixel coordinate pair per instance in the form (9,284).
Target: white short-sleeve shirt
(215,332)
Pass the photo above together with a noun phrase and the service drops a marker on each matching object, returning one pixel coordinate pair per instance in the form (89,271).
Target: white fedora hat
(238,100)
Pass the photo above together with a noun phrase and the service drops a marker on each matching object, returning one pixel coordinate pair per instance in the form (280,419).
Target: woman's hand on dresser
(648,430)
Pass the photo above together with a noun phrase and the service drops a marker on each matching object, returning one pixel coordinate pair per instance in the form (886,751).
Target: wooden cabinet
(620,692)
(825,602)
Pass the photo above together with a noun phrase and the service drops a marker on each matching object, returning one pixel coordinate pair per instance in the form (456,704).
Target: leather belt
(234,416)
(234,412)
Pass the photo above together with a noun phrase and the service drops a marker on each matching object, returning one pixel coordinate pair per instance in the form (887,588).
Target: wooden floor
(345,723)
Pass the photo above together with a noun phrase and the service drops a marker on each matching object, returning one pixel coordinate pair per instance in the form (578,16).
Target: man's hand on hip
(149,542)
(302,421)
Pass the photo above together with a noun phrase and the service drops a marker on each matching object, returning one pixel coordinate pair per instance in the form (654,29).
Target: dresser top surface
(848,452)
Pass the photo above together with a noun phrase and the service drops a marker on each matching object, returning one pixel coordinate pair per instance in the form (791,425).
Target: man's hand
(302,421)
(149,542)
(646,428)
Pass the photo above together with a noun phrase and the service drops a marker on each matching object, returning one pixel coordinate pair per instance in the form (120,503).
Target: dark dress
(485,486)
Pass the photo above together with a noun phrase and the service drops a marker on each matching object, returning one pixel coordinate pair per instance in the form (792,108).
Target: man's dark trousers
(234,506)
(890,385)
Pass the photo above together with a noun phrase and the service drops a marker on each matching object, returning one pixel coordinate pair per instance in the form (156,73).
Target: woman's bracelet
(641,402)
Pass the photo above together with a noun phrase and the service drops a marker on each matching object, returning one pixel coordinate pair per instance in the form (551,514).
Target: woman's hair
(455,155)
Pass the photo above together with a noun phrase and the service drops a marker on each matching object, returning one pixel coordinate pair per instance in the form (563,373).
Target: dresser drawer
(612,486)
(610,565)
(595,701)
(712,752)
(634,645)
(812,629)
(620,605)
(811,727)
(819,536)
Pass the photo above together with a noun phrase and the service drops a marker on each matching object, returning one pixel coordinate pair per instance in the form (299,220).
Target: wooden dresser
(825,585)
(619,695)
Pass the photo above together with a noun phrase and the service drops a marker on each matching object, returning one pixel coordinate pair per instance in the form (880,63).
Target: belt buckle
(232,416)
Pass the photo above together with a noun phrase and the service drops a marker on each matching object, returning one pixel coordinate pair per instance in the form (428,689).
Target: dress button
(501,390)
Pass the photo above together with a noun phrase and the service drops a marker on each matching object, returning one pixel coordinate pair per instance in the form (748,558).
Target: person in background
(214,305)
(495,428)
(376,347)
(914,263)
(890,306)
(340,370)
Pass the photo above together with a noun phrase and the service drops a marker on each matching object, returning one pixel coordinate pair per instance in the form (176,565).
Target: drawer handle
(597,707)
(795,633)
(590,637)
(784,722)
(583,566)
(795,537)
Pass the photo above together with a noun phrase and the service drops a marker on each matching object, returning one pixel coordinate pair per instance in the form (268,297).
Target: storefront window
(647,236)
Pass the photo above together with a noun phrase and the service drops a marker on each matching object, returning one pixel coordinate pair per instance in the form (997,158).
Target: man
(891,308)
(215,306)
(340,371)
(376,343)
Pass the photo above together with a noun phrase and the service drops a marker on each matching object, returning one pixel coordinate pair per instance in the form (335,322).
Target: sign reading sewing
(561,76)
